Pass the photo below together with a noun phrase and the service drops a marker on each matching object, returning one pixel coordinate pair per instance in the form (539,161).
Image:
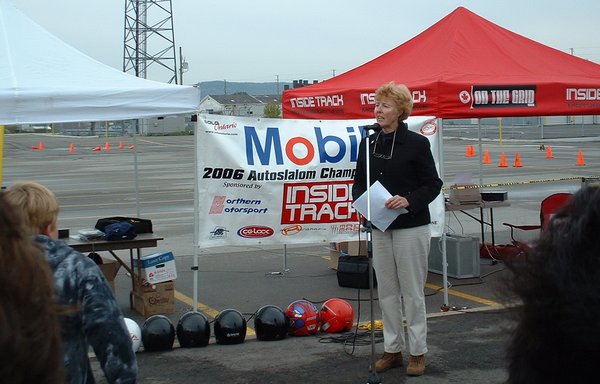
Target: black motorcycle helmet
(230,327)
(193,330)
(270,323)
(158,333)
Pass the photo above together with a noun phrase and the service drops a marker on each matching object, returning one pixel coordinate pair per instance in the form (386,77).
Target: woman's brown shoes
(416,365)
(387,361)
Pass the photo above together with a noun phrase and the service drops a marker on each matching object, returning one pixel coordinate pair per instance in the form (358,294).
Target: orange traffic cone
(41,147)
(549,152)
(98,148)
(518,160)
(470,151)
(486,157)
(72,148)
(107,146)
(502,159)
(121,144)
(580,161)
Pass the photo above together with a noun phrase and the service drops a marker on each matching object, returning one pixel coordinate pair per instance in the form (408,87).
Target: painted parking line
(205,309)
(467,296)
(211,312)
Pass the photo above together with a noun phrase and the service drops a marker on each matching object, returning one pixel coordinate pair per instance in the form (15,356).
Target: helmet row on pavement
(300,318)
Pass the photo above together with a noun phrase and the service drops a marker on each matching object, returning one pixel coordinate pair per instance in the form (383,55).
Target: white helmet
(135,332)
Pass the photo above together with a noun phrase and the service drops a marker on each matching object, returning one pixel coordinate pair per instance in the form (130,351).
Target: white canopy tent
(45,80)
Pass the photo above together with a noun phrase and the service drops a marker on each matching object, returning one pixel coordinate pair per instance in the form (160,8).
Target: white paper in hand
(381,216)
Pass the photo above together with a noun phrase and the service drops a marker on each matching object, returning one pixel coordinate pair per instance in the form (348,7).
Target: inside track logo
(418,96)
(317,203)
(583,94)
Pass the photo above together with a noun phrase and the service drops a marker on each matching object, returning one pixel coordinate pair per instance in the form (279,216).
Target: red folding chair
(548,207)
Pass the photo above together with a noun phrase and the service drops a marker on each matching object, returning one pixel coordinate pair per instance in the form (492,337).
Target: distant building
(237,104)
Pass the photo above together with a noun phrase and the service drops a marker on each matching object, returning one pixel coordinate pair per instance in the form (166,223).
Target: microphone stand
(368,229)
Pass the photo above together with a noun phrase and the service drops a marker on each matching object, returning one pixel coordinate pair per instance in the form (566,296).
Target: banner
(283,181)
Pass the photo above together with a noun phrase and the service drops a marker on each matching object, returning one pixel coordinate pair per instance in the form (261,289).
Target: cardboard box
(354,248)
(157,267)
(346,248)
(334,256)
(110,268)
(155,299)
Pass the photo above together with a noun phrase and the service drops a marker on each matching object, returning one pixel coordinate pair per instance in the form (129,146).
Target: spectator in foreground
(30,344)
(96,320)
(557,336)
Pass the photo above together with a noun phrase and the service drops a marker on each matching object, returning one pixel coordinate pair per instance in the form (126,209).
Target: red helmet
(337,315)
(304,318)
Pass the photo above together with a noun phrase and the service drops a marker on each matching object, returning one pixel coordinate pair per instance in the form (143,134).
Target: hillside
(257,89)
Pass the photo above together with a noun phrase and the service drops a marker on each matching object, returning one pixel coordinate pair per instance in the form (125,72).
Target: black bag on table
(139,225)
(353,272)
(119,231)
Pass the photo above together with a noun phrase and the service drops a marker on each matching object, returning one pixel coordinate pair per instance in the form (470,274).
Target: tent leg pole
(445,305)
(196,220)
(195,272)
(284,259)
(135,172)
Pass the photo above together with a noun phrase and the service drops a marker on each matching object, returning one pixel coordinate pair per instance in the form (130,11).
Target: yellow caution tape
(510,183)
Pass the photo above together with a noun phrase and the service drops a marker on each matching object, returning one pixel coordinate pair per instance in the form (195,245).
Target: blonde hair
(400,95)
(36,204)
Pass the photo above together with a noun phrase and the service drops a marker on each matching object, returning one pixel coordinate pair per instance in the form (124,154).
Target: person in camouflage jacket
(93,317)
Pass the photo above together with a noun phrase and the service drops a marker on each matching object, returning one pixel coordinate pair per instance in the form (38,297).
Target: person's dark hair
(557,335)
(30,340)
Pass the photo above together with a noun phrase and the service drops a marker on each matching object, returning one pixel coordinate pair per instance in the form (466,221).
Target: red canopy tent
(463,66)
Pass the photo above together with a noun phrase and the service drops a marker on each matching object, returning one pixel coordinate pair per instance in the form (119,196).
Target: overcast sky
(259,41)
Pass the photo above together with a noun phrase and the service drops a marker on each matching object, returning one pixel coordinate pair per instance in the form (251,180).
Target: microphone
(374,127)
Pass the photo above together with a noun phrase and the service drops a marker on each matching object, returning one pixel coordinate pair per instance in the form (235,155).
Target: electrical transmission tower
(149,44)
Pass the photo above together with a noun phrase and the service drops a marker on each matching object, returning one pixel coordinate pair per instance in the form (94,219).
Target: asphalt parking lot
(466,343)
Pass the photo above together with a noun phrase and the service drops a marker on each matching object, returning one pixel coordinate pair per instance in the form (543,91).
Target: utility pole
(225,86)
(333,73)
(277,77)
(149,39)
(183,66)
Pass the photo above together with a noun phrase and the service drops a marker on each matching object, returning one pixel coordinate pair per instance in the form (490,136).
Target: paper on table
(381,216)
